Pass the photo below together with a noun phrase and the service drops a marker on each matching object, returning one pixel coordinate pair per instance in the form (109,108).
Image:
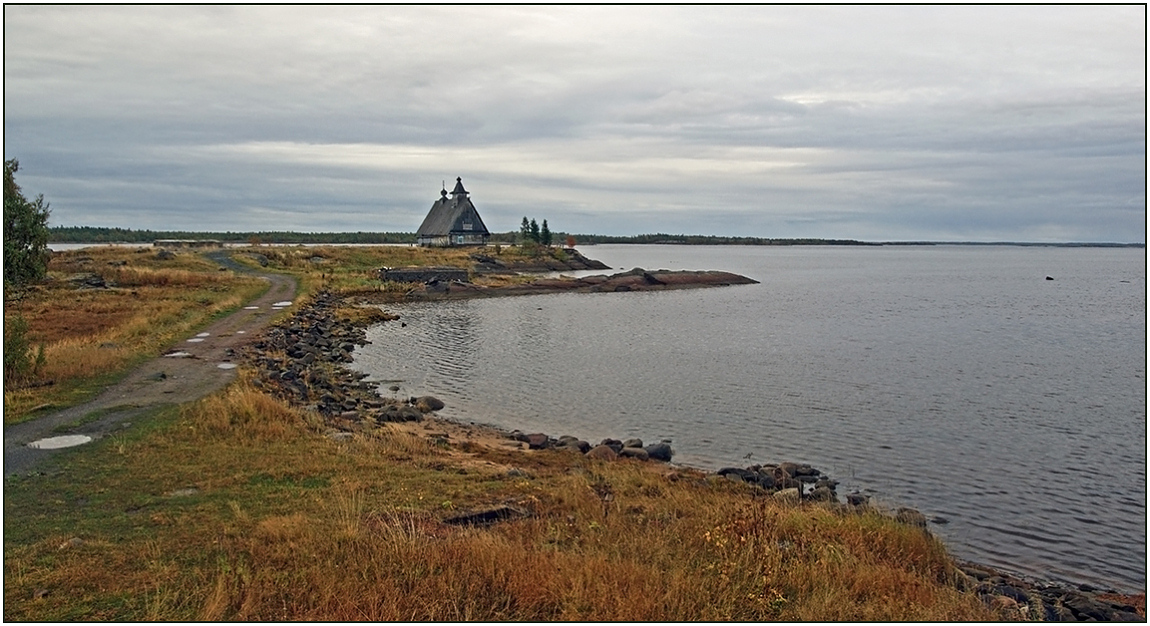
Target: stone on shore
(427,404)
(633,453)
(911,517)
(660,451)
(602,452)
(788,496)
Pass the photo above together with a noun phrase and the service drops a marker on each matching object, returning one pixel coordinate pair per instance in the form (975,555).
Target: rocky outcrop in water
(564,260)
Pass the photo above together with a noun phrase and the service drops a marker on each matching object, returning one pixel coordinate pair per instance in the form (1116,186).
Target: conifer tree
(534,231)
(545,234)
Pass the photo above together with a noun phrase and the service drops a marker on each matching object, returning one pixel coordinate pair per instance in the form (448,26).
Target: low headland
(302,491)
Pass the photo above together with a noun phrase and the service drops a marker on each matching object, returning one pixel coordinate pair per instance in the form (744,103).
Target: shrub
(19,362)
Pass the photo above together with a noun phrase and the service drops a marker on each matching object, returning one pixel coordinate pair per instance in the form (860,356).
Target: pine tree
(534,231)
(545,234)
(524,230)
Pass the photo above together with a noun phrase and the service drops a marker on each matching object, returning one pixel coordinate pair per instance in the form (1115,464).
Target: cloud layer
(879,123)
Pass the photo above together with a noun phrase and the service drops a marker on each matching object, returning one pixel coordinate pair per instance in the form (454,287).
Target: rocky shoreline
(302,361)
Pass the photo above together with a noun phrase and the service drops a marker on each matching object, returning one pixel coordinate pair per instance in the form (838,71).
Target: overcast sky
(989,123)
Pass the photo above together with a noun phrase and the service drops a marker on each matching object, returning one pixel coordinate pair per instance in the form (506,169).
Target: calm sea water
(954,379)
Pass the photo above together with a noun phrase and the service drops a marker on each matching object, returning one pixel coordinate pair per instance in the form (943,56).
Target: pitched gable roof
(451,215)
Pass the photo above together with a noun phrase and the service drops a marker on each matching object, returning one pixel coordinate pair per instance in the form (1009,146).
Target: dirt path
(160,381)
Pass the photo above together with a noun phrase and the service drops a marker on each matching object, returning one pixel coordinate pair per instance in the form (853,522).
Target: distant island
(97,234)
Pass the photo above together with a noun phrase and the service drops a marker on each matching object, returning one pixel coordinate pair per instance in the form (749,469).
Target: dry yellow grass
(348,269)
(287,524)
(90,335)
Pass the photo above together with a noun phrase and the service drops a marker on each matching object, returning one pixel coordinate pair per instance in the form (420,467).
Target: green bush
(19,362)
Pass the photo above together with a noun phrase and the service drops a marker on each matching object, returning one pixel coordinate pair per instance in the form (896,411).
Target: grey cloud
(944,122)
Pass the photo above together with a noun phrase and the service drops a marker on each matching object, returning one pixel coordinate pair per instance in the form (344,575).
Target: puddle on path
(204,335)
(63,441)
(227,366)
(195,339)
(284,303)
(251,308)
(179,355)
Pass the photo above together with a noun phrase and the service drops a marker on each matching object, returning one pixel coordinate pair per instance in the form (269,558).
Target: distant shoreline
(106,236)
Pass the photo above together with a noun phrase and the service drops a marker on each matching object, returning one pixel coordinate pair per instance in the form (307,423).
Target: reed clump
(279,521)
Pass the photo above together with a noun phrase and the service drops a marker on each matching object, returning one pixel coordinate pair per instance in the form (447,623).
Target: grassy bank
(347,269)
(247,511)
(93,334)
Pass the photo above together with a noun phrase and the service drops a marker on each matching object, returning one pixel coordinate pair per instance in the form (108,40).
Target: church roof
(450,215)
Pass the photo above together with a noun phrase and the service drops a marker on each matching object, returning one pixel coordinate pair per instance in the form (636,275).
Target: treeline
(92,234)
(714,240)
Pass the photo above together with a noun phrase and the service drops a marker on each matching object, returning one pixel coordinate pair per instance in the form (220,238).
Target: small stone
(74,542)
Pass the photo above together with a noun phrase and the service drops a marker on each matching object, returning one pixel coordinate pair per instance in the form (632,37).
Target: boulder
(738,474)
(568,442)
(634,453)
(911,517)
(633,443)
(427,404)
(602,453)
(822,493)
(788,496)
(660,451)
(766,480)
(167,255)
(538,441)
(614,444)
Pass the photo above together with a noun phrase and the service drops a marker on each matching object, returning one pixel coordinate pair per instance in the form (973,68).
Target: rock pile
(606,450)
(798,481)
(1030,601)
(301,362)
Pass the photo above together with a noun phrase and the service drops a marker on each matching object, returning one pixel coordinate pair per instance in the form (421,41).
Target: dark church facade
(453,221)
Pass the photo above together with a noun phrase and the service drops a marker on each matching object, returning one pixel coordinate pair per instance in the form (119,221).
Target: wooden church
(453,221)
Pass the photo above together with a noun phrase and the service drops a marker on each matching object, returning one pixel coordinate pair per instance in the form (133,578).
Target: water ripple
(947,378)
